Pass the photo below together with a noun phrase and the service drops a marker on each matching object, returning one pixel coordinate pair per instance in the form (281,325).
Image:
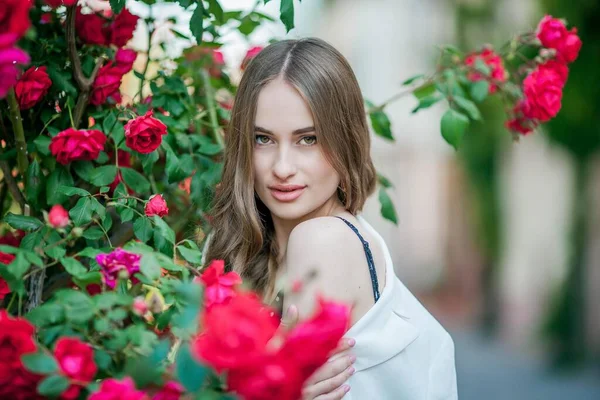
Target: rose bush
(105,194)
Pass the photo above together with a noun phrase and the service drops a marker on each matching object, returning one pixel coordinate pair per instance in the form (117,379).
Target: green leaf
(33,185)
(73,267)
(385,182)
(19,266)
(453,127)
(424,91)
(46,314)
(142,228)
(387,207)
(39,363)
(126,214)
(108,300)
(83,169)
(479,90)
(150,266)
(164,229)
(42,144)
(469,107)
(81,213)
(148,161)
(61,79)
(135,180)
(73,191)
(215,9)
(427,102)
(117,5)
(412,79)
(59,177)
(90,252)
(53,385)
(104,175)
(54,251)
(197,22)
(482,67)
(286,14)
(192,256)
(79,306)
(22,222)
(93,233)
(191,374)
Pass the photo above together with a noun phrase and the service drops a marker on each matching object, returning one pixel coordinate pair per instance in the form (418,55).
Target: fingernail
(346,388)
(352,358)
(351,342)
(351,370)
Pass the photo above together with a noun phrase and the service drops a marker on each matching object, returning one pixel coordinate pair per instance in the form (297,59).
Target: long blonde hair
(243,233)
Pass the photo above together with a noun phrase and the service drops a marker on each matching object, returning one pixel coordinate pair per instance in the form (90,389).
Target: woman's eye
(309,140)
(261,139)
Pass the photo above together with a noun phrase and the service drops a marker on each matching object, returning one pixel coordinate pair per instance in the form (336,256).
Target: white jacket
(401,351)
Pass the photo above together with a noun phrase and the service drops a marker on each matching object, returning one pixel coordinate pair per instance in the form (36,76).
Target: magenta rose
(72,144)
(493,61)
(118,264)
(250,54)
(32,86)
(144,134)
(106,84)
(76,361)
(10,60)
(553,34)
(124,60)
(113,389)
(543,94)
(172,390)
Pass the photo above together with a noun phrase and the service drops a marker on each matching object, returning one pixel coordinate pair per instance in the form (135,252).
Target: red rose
(6,258)
(106,84)
(16,339)
(72,144)
(144,134)
(553,34)
(172,390)
(32,87)
(272,378)
(14,17)
(113,389)
(310,343)
(10,60)
(58,3)
(121,30)
(125,59)
(219,286)
(90,28)
(250,54)
(235,334)
(58,216)
(156,205)
(493,61)
(543,94)
(4,289)
(76,361)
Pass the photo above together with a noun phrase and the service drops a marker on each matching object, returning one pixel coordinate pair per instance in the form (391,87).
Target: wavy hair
(243,233)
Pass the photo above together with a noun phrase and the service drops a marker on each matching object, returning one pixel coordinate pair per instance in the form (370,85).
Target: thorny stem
(17,124)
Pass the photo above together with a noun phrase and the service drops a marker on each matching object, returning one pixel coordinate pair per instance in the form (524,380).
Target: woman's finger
(328,388)
(343,345)
(337,394)
(331,369)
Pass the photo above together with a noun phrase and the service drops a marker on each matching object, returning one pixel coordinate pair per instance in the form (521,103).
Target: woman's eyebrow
(296,132)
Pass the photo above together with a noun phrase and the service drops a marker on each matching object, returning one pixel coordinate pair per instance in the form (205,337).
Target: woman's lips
(286,196)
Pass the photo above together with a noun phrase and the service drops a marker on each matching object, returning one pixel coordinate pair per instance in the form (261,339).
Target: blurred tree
(576,128)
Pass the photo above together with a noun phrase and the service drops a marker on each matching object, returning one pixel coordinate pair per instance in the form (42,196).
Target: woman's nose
(284,166)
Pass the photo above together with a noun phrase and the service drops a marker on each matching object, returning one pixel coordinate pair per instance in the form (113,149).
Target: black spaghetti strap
(369,255)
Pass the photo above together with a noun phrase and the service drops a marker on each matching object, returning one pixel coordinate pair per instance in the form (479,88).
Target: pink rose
(219,286)
(172,390)
(72,144)
(58,216)
(250,54)
(156,205)
(10,60)
(553,34)
(493,61)
(113,389)
(118,264)
(76,361)
(124,60)
(543,94)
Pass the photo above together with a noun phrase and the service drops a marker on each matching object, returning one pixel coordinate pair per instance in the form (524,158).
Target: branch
(12,185)
(212,108)
(84,83)
(17,124)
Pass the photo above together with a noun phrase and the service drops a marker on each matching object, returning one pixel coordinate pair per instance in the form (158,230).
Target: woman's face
(292,177)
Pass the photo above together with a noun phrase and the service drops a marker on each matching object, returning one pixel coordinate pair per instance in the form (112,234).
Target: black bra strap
(370,261)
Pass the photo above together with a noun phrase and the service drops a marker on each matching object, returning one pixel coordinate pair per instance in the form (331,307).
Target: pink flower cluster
(238,334)
(118,264)
(543,87)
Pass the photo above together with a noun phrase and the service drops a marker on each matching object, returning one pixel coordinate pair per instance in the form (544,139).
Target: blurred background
(500,240)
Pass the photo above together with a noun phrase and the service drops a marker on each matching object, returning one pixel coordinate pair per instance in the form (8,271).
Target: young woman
(297,173)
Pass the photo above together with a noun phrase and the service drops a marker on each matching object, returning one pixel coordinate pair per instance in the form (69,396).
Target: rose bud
(156,205)
(58,216)
(139,306)
(32,86)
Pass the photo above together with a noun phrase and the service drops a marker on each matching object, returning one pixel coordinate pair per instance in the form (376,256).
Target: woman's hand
(327,383)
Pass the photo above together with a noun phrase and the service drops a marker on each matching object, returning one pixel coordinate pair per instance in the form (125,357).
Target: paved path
(489,371)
